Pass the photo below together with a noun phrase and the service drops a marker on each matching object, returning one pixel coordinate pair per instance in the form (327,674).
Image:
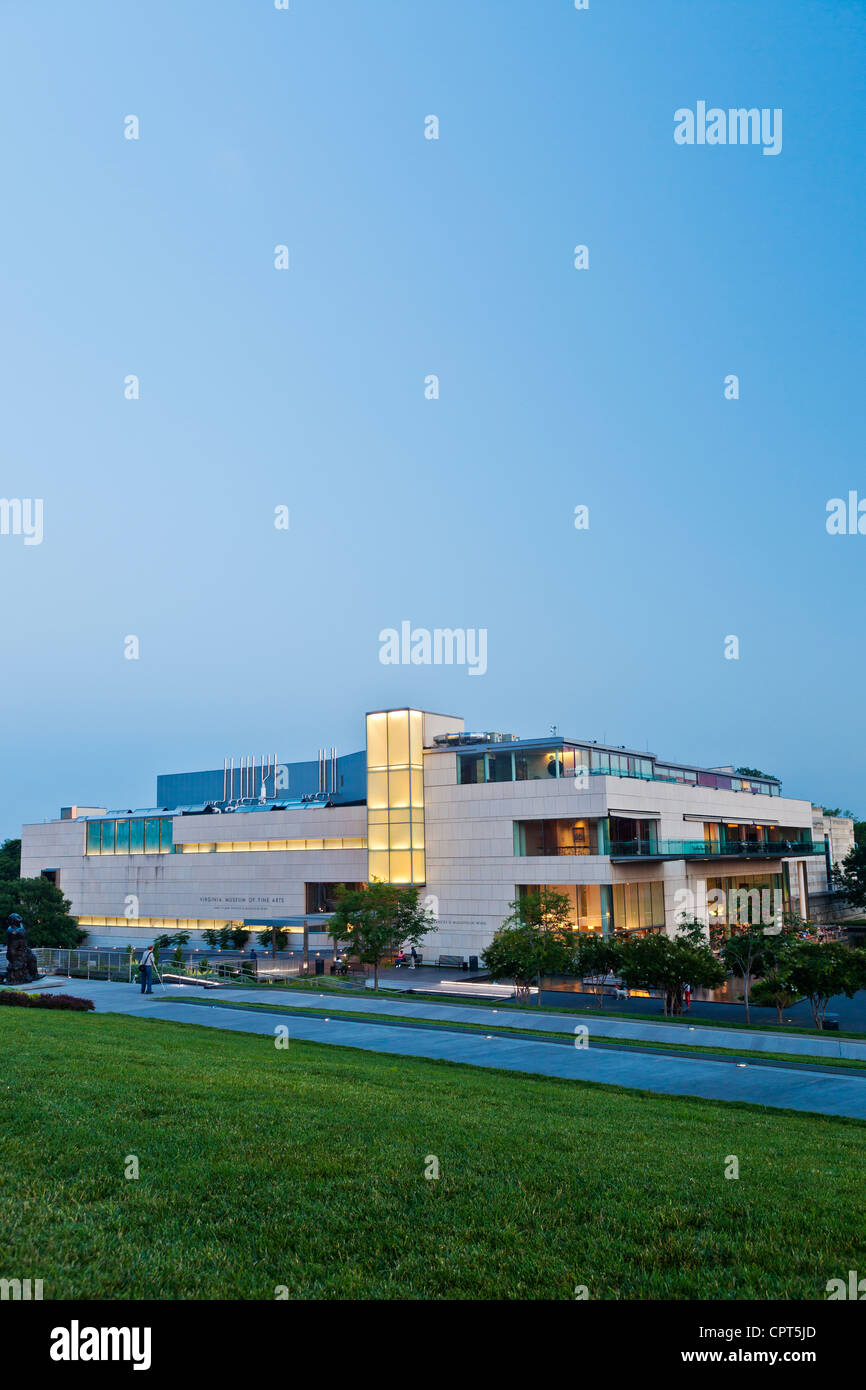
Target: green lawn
(305,1168)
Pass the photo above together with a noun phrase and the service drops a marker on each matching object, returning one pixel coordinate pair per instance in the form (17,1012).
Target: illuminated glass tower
(395,797)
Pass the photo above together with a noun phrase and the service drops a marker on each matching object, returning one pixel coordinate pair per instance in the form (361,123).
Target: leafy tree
(775,992)
(668,963)
(224,938)
(743,954)
(751,772)
(536,939)
(10,861)
(212,936)
(819,970)
(596,957)
(850,876)
(239,937)
(276,937)
(376,920)
(45,912)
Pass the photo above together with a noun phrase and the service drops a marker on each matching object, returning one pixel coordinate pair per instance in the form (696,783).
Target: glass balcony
(709,849)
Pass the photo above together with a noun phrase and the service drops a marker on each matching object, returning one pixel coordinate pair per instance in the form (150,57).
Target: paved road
(770,1085)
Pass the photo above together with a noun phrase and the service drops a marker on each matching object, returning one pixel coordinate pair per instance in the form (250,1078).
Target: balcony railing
(710,849)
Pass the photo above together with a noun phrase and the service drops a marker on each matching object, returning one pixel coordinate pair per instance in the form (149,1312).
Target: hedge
(44,1001)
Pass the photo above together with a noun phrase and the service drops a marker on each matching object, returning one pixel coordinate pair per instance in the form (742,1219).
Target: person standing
(147,963)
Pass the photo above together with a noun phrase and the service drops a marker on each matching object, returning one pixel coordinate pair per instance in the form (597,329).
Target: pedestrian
(414,959)
(688,996)
(147,963)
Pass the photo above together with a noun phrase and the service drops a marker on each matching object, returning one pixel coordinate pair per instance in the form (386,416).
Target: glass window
(122,840)
(377,865)
(400,836)
(151,836)
(401,866)
(377,790)
(419,867)
(416,722)
(377,837)
(398,738)
(377,736)
(136,837)
(470,769)
(500,767)
(398,788)
(108,837)
(165,835)
(93,837)
(416,778)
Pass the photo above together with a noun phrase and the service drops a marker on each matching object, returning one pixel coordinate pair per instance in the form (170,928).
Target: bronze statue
(21,966)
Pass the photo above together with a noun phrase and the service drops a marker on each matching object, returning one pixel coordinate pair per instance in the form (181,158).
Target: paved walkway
(449,1011)
(771,1085)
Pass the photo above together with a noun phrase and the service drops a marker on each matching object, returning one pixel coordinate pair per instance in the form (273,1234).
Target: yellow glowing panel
(398,789)
(377,817)
(377,837)
(377,790)
(398,738)
(419,867)
(314,844)
(400,838)
(416,731)
(401,866)
(356,841)
(377,865)
(258,845)
(377,740)
(296,844)
(334,844)
(417,833)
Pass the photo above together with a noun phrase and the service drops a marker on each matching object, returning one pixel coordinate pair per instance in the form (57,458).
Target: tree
(775,992)
(752,772)
(536,939)
(850,876)
(743,954)
(45,912)
(668,963)
(276,937)
(376,920)
(596,957)
(819,970)
(212,937)
(239,937)
(10,861)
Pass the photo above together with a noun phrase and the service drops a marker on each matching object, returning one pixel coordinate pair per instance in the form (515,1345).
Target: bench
(451,963)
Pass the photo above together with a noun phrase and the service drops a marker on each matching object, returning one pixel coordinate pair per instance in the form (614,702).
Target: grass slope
(305,1168)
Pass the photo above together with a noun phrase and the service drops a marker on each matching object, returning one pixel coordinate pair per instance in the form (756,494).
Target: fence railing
(90,963)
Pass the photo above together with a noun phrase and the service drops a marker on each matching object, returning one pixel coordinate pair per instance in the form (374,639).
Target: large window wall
(145,835)
(589,903)
(606,908)
(395,797)
(557,837)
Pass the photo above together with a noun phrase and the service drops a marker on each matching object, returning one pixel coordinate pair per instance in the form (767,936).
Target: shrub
(45,1001)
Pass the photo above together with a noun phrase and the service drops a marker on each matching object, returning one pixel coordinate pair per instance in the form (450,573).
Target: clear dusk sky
(305,388)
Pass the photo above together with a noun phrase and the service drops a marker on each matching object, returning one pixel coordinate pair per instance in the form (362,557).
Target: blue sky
(306,388)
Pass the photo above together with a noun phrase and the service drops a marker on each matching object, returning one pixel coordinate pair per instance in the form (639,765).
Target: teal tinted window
(151,837)
(93,828)
(108,837)
(165,836)
(136,837)
(122,842)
